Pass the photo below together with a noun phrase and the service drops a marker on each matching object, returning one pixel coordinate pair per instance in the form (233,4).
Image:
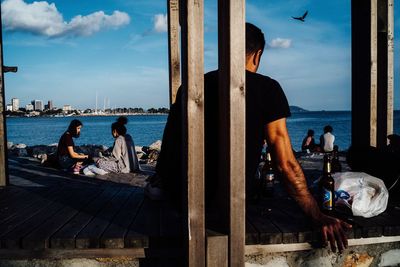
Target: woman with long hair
(67,157)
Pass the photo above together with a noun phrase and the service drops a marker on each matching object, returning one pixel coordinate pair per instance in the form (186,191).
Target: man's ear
(257,57)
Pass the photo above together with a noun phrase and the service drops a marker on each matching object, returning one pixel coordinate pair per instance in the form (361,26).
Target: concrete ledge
(273,248)
(71,253)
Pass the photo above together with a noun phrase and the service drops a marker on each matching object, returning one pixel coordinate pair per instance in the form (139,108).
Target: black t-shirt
(65,141)
(265,102)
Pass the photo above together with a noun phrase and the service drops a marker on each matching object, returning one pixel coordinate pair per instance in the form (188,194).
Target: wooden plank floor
(280,220)
(48,209)
(45,208)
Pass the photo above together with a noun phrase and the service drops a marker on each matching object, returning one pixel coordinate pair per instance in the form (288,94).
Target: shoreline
(89,115)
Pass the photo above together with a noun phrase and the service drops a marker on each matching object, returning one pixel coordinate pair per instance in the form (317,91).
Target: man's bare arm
(333,230)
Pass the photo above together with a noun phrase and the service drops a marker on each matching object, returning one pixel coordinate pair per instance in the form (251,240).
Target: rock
(20,146)
(156,145)
(91,150)
(358,260)
(139,154)
(153,156)
(10,145)
(35,151)
(20,152)
(390,258)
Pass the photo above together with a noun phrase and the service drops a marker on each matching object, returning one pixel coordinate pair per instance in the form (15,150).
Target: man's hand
(333,231)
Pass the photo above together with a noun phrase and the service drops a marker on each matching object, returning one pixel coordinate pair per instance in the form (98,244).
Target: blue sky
(67,51)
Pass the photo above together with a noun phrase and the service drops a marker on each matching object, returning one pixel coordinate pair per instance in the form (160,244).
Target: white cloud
(161,23)
(280,43)
(42,18)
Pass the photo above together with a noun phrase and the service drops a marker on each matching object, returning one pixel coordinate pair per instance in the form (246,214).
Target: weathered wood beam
(217,249)
(385,72)
(173,49)
(3,129)
(372,72)
(192,23)
(231,32)
(390,66)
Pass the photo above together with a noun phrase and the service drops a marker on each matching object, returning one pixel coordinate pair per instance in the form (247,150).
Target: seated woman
(327,139)
(118,162)
(133,159)
(66,155)
(308,142)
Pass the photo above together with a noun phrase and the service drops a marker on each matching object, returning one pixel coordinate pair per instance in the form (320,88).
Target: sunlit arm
(333,230)
(75,155)
(281,148)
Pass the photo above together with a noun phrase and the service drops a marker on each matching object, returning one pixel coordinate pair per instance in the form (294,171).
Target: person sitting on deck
(134,165)
(327,139)
(308,142)
(66,155)
(119,161)
(266,112)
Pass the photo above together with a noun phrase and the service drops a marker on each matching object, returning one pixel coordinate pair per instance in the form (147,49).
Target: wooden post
(372,72)
(385,71)
(193,129)
(231,32)
(217,249)
(390,65)
(3,131)
(173,49)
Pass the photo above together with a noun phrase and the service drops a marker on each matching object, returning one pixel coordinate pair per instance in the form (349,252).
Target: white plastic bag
(365,194)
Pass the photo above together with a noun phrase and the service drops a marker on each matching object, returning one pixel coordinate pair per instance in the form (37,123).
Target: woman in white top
(327,139)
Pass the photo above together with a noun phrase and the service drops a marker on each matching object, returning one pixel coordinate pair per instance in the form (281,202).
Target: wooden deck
(48,210)
(280,219)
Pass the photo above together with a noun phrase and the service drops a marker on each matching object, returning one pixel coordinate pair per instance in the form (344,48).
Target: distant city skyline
(38,104)
(68,51)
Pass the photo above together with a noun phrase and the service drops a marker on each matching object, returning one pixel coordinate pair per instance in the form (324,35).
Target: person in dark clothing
(308,142)
(266,112)
(66,155)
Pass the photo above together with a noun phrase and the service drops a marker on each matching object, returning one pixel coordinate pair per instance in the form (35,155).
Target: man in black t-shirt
(266,112)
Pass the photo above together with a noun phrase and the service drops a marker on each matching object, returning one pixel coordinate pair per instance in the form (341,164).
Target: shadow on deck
(46,213)
(49,213)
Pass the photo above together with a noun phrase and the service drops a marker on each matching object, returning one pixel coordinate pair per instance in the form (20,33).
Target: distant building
(37,105)
(9,107)
(50,104)
(29,107)
(67,108)
(15,104)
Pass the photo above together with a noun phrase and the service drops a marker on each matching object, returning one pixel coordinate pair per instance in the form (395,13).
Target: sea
(147,129)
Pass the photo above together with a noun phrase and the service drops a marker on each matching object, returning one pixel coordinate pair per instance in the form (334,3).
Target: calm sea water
(147,129)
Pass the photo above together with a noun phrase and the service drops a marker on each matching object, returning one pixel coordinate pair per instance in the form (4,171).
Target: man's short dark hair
(328,128)
(254,39)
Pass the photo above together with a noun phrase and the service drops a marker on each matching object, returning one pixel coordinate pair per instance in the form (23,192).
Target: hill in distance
(296,109)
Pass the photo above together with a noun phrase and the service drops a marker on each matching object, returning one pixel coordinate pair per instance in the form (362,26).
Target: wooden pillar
(372,72)
(173,49)
(385,71)
(193,118)
(390,65)
(231,33)
(217,249)
(3,131)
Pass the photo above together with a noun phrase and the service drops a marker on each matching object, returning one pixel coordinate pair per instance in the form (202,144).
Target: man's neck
(251,68)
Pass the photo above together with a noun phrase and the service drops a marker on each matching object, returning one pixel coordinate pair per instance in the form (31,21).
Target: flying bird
(302,17)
